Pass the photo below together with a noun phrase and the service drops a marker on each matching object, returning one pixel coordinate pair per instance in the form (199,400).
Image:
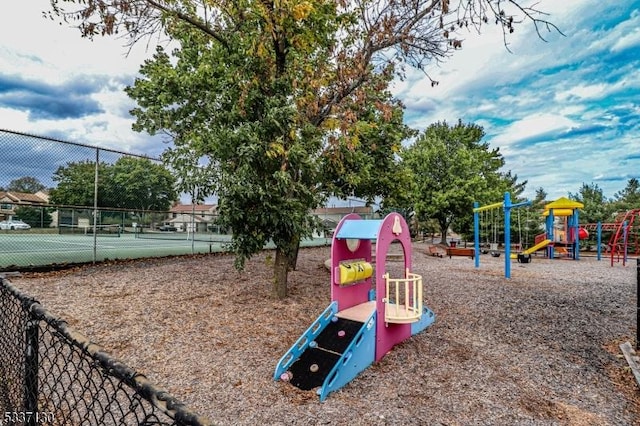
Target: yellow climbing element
(542,244)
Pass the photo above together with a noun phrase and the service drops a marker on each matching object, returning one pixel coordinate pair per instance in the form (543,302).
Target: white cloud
(556,110)
(570,110)
(628,41)
(538,124)
(11,119)
(39,47)
(583,91)
(41,50)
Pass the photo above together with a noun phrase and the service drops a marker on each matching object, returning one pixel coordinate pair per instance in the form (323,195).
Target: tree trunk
(444,227)
(280,273)
(293,261)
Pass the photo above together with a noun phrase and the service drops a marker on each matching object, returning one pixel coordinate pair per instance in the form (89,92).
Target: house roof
(187,219)
(188,208)
(22,197)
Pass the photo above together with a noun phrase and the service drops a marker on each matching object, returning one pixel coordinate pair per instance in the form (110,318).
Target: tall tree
(131,183)
(452,168)
(272,90)
(75,185)
(277,155)
(629,197)
(140,184)
(539,200)
(596,206)
(27,184)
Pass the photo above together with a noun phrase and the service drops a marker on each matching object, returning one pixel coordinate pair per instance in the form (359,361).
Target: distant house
(203,217)
(10,201)
(200,216)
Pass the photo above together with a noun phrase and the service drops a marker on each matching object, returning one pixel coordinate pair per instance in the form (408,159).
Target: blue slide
(329,354)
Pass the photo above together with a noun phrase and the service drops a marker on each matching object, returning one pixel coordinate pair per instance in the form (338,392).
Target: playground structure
(623,239)
(561,225)
(562,230)
(506,205)
(362,323)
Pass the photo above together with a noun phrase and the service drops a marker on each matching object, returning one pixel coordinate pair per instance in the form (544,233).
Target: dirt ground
(538,349)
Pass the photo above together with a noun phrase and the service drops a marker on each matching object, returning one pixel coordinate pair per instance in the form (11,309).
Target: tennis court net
(201,236)
(90,230)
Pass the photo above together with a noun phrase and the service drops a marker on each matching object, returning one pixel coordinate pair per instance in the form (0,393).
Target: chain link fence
(51,374)
(67,203)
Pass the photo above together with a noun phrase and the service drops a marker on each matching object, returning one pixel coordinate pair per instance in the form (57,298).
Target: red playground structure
(623,239)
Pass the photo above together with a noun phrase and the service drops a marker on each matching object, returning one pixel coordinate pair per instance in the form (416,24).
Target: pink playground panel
(384,232)
(364,319)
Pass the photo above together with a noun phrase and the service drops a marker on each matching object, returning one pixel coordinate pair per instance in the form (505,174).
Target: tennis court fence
(51,374)
(60,200)
(66,203)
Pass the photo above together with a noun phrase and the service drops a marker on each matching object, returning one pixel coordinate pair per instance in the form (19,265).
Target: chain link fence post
(95,205)
(31,367)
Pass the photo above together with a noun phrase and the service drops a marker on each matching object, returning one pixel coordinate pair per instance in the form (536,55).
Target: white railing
(403,298)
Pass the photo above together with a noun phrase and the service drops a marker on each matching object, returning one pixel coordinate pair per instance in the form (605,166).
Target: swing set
(490,219)
(490,224)
(506,206)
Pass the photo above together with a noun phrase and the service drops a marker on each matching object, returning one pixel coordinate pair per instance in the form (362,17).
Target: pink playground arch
(384,232)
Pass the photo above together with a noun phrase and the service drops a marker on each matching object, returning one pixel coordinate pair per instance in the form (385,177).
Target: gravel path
(539,349)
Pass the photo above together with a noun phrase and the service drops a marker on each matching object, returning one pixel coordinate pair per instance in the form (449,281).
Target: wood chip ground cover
(540,348)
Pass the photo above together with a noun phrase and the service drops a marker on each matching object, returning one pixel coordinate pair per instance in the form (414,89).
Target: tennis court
(31,249)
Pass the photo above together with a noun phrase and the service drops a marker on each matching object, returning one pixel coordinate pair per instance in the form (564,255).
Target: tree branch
(202,26)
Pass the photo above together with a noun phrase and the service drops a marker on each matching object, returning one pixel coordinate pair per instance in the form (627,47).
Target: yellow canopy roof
(558,212)
(564,203)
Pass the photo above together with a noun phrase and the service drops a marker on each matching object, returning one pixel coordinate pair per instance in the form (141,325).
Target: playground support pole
(507,235)
(576,235)
(507,206)
(599,240)
(490,206)
(550,235)
(638,303)
(476,233)
(625,233)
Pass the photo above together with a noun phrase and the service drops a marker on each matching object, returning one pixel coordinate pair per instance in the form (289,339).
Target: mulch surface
(540,348)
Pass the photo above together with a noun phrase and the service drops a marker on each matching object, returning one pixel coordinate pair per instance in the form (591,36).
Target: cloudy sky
(563,112)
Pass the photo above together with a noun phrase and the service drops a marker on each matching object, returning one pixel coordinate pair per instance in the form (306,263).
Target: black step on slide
(314,365)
